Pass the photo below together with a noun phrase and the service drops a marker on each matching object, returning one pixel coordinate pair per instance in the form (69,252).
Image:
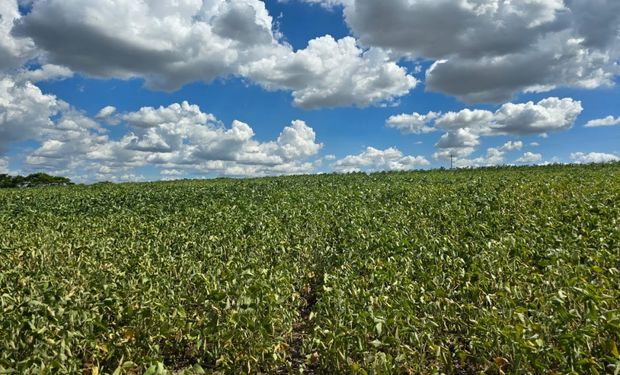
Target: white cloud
(25,111)
(47,72)
(414,123)
(170,44)
(64,145)
(167,43)
(534,144)
(493,157)
(13,51)
(4,165)
(182,114)
(171,172)
(487,50)
(183,134)
(593,157)
(328,4)
(465,118)
(331,73)
(464,128)
(458,143)
(511,146)
(460,138)
(298,141)
(105,112)
(177,137)
(607,121)
(484,50)
(529,158)
(113,176)
(373,159)
(550,114)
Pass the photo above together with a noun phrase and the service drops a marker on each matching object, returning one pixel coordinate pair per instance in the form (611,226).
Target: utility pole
(451,159)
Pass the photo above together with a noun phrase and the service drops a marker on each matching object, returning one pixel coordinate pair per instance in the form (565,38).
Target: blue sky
(304,86)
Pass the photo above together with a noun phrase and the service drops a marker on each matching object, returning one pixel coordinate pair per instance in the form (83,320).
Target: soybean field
(493,271)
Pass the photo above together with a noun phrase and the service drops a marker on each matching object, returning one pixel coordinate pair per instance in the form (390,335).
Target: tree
(33,180)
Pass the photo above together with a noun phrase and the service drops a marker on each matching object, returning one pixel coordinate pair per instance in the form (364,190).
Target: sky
(126,90)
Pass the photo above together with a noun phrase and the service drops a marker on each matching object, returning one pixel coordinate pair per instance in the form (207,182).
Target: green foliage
(32,180)
(502,270)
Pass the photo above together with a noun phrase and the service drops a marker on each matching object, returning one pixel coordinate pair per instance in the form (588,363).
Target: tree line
(32,180)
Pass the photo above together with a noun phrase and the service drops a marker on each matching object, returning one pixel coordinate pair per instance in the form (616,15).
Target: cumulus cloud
(593,157)
(511,146)
(47,72)
(414,123)
(607,121)
(529,158)
(328,4)
(487,50)
(465,118)
(550,114)
(373,159)
(171,172)
(483,50)
(105,112)
(457,143)
(298,141)
(169,44)
(25,111)
(182,114)
(464,128)
(458,139)
(13,51)
(64,144)
(113,176)
(493,157)
(177,137)
(181,134)
(332,73)
(4,165)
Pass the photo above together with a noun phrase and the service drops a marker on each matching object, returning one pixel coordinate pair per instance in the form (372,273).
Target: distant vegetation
(492,271)
(33,180)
